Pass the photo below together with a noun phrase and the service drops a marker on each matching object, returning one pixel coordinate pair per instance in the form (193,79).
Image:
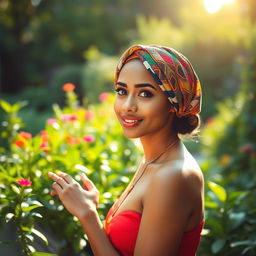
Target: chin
(131,136)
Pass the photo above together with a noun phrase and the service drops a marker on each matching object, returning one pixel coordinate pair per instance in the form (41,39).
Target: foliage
(98,74)
(77,139)
(230,146)
(208,41)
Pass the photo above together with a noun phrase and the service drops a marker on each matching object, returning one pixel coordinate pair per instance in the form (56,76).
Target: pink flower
(25,135)
(103,96)
(68,87)
(89,138)
(89,114)
(52,121)
(24,182)
(69,117)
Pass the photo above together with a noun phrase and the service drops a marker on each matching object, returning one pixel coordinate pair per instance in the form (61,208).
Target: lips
(129,121)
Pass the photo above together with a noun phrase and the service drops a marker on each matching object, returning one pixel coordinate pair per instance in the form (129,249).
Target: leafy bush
(77,139)
(230,147)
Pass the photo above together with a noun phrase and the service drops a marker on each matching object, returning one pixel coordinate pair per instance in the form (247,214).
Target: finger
(57,179)
(88,184)
(56,188)
(66,177)
(53,193)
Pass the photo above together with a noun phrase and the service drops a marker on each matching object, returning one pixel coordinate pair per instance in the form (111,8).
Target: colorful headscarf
(172,72)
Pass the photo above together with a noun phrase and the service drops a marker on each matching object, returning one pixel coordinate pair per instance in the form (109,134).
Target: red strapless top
(123,229)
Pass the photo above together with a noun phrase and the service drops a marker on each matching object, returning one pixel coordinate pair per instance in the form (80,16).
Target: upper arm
(165,212)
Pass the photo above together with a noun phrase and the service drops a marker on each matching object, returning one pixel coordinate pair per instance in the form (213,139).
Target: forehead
(135,72)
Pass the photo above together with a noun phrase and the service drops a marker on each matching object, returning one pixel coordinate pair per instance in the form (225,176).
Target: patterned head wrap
(172,72)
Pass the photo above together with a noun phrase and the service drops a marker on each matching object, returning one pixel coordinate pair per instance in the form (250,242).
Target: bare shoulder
(183,173)
(178,182)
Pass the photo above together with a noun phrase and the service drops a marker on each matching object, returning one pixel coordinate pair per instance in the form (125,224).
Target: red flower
(45,147)
(103,96)
(209,121)
(89,114)
(25,135)
(24,182)
(68,87)
(69,117)
(89,138)
(247,148)
(72,140)
(19,143)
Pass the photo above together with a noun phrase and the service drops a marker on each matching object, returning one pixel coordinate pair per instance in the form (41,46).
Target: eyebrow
(137,85)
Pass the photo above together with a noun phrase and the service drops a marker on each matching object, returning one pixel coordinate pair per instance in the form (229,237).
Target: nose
(130,104)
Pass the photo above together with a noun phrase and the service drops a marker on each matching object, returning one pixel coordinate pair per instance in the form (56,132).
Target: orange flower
(44,136)
(24,182)
(45,147)
(19,143)
(68,87)
(25,135)
(72,140)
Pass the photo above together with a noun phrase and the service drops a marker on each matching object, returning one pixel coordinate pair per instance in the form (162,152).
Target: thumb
(87,183)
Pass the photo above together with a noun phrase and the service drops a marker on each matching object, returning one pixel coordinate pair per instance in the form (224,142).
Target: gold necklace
(134,180)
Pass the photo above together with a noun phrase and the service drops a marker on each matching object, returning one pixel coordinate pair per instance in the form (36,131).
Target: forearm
(97,236)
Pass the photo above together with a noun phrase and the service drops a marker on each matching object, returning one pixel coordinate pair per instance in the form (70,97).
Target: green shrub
(77,139)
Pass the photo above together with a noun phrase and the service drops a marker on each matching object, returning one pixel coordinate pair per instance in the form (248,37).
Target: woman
(161,211)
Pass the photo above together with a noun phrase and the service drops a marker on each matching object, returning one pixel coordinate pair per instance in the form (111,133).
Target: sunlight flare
(213,6)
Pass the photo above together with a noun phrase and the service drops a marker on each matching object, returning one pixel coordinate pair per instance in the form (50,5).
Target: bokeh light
(213,6)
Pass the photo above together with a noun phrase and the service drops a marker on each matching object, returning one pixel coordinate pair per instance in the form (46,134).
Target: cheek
(116,105)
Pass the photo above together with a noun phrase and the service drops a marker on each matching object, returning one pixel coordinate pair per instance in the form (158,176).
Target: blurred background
(45,44)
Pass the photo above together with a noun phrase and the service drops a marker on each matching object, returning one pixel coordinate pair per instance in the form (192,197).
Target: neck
(155,144)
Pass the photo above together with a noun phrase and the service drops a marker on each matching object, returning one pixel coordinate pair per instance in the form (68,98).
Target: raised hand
(79,201)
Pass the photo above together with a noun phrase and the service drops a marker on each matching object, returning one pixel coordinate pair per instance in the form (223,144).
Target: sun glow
(212,6)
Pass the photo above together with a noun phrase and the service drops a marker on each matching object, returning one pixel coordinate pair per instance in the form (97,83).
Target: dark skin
(169,195)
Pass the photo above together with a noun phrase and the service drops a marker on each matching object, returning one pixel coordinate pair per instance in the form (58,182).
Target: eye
(146,94)
(120,91)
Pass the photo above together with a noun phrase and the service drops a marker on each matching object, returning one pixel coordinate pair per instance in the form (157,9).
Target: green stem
(21,233)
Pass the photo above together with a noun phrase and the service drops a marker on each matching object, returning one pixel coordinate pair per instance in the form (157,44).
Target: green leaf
(36,214)
(210,204)
(5,106)
(42,254)
(9,216)
(218,191)
(245,242)
(218,245)
(15,189)
(19,105)
(30,208)
(39,234)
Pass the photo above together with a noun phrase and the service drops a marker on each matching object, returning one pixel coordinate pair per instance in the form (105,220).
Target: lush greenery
(49,43)
(78,139)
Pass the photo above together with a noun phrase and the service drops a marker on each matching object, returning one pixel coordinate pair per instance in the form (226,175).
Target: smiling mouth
(131,122)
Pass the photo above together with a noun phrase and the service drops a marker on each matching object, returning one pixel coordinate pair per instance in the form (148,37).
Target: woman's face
(140,105)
